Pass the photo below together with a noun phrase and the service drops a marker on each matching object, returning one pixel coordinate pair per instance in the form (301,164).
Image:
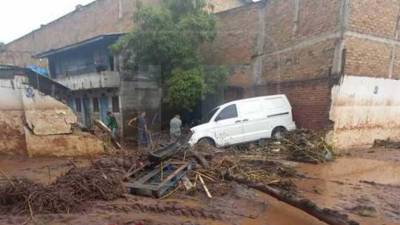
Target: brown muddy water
(363,179)
(367,189)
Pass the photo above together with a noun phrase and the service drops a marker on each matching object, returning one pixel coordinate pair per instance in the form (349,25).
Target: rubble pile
(67,194)
(267,172)
(304,146)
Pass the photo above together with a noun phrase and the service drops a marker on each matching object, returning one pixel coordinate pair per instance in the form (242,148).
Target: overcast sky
(19,17)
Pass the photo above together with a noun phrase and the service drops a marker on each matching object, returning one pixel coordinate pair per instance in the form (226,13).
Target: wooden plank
(176,172)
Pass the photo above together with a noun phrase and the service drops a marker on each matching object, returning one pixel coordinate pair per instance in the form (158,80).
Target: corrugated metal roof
(104,37)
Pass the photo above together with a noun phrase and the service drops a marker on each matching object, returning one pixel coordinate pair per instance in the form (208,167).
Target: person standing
(142,130)
(175,128)
(111,123)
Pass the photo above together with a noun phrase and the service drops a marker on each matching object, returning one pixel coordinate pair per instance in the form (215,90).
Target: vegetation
(170,36)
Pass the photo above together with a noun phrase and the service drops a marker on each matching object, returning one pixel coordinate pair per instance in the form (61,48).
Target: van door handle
(246,120)
(238,121)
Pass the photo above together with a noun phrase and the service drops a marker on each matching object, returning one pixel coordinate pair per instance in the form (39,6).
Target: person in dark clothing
(142,130)
(111,123)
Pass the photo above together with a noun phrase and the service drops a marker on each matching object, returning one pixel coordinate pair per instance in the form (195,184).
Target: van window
(227,113)
(210,115)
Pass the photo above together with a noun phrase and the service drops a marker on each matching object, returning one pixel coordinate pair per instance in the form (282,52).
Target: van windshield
(207,118)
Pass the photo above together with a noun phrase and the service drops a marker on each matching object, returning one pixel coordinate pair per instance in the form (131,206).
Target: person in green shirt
(111,123)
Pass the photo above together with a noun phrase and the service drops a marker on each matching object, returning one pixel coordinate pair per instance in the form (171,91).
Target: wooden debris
(104,128)
(205,187)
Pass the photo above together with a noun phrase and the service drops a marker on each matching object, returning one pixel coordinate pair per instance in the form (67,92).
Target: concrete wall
(365,109)
(12,138)
(147,97)
(45,115)
(35,124)
(105,79)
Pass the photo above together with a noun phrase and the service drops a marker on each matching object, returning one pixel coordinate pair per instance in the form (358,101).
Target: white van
(244,121)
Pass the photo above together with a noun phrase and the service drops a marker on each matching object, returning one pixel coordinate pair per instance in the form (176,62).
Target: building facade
(99,86)
(337,60)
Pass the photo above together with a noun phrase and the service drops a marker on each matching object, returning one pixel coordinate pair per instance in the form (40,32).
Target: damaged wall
(12,138)
(45,115)
(76,144)
(34,124)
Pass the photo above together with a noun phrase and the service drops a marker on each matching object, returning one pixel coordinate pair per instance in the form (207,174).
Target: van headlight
(193,139)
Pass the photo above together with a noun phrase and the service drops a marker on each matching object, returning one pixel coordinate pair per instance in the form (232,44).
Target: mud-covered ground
(364,184)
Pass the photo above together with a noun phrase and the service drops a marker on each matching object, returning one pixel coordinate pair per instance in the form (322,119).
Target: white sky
(19,17)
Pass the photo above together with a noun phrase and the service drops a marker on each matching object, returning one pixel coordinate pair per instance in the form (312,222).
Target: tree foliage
(170,36)
(184,86)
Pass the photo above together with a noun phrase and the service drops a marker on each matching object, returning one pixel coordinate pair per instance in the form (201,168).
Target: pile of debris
(66,195)
(266,172)
(303,146)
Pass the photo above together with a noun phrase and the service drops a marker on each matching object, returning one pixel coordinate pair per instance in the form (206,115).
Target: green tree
(170,36)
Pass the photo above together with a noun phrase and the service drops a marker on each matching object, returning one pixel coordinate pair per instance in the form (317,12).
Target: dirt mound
(67,194)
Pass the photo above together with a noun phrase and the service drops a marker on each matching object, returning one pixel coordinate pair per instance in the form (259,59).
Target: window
(227,113)
(209,115)
(115,104)
(78,105)
(96,107)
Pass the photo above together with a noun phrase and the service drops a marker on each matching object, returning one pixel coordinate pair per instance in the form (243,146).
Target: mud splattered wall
(32,123)
(12,138)
(365,109)
(365,105)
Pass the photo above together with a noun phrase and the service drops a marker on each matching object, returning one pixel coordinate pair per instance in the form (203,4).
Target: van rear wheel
(278,133)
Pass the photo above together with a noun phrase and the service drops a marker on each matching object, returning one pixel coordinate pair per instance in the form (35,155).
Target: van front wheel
(206,141)
(278,133)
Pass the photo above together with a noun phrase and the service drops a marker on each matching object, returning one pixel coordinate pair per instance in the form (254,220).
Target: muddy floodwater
(365,184)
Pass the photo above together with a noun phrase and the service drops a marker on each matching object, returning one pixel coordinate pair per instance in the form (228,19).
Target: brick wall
(97,18)
(309,100)
(301,40)
(311,62)
(374,17)
(372,39)
(237,32)
(282,46)
(291,22)
(367,58)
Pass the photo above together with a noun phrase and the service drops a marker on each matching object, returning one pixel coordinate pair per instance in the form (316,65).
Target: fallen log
(200,158)
(328,216)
